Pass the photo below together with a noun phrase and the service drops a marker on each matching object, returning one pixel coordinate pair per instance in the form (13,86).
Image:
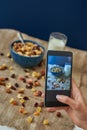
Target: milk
(56,44)
(67,70)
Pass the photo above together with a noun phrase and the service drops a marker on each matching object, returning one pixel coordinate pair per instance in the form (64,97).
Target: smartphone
(58,76)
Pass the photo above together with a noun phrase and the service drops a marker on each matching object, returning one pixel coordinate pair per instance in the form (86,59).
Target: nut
(30,81)
(22,110)
(27,74)
(8,55)
(2,83)
(37,93)
(3,67)
(29,119)
(36,74)
(33,89)
(36,83)
(46,122)
(36,113)
(22,101)
(43,78)
(2,79)
(11,68)
(8,85)
(8,90)
(39,109)
(19,96)
(13,101)
(21,78)
(29,49)
(21,90)
(27,70)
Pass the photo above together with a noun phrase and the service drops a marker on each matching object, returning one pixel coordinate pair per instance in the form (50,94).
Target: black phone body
(58,77)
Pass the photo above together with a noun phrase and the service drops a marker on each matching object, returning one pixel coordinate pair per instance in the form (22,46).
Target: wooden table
(9,114)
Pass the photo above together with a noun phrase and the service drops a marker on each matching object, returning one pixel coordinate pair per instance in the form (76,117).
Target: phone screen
(58,76)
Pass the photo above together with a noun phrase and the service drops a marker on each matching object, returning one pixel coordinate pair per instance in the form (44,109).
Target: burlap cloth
(9,114)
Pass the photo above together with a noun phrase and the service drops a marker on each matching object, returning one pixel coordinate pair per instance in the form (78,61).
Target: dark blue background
(41,17)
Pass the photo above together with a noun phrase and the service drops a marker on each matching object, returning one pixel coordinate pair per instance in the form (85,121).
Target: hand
(77,109)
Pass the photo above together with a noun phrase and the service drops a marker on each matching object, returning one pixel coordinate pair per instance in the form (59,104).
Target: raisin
(6,78)
(2,54)
(36,104)
(23,104)
(13,76)
(58,114)
(24,80)
(25,98)
(12,87)
(28,86)
(16,85)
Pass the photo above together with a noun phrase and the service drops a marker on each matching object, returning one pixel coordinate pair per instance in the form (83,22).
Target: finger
(43,95)
(67,100)
(76,92)
(53,109)
(74,87)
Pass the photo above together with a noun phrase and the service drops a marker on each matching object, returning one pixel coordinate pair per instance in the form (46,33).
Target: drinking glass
(57,41)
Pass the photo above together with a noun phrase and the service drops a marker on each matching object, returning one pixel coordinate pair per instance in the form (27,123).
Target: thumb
(67,100)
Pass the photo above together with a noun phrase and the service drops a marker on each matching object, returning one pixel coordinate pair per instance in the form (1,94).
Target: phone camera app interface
(58,75)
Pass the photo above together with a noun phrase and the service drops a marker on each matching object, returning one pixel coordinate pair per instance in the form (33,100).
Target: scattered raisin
(23,104)
(12,87)
(24,80)
(58,114)
(26,76)
(2,54)
(36,104)
(28,86)
(13,76)
(6,78)
(42,72)
(25,98)
(16,85)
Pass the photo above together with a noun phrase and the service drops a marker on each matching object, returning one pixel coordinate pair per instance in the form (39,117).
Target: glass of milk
(57,41)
